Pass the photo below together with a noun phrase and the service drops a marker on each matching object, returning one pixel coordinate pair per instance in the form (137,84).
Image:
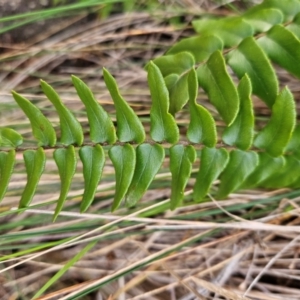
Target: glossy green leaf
(149,158)
(42,129)
(70,128)
(174,64)
(240,133)
(249,58)
(212,163)
(289,8)
(7,163)
(267,166)
(201,47)
(163,125)
(262,20)
(123,159)
(215,80)
(93,159)
(286,176)
(181,160)
(101,126)
(66,161)
(275,136)
(35,164)
(241,165)
(231,30)
(10,138)
(202,127)
(129,126)
(282,46)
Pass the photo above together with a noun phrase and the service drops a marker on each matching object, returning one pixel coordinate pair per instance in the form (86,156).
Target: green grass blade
(64,269)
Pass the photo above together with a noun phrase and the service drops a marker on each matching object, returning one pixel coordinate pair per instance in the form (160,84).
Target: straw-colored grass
(243,247)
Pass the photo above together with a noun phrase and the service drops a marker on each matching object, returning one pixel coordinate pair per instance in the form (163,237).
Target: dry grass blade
(244,247)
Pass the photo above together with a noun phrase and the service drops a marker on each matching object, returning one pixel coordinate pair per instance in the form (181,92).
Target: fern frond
(248,45)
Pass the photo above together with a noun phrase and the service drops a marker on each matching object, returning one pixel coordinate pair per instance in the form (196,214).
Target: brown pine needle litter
(243,247)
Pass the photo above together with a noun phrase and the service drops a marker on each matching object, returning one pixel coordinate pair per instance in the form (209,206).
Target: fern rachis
(248,44)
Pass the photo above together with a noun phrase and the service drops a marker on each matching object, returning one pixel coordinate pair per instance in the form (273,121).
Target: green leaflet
(7,162)
(240,132)
(42,129)
(123,159)
(171,81)
(170,65)
(101,126)
(286,176)
(201,47)
(241,165)
(130,128)
(149,158)
(294,143)
(249,58)
(230,30)
(267,166)
(93,159)
(295,181)
(289,8)
(215,80)
(202,127)
(71,130)
(66,162)
(212,163)
(174,64)
(275,136)
(10,138)
(35,164)
(181,160)
(179,95)
(262,20)
(282,46)
(163,125)
(294,27)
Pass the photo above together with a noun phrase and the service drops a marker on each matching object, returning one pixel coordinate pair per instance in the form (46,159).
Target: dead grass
(245,247)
